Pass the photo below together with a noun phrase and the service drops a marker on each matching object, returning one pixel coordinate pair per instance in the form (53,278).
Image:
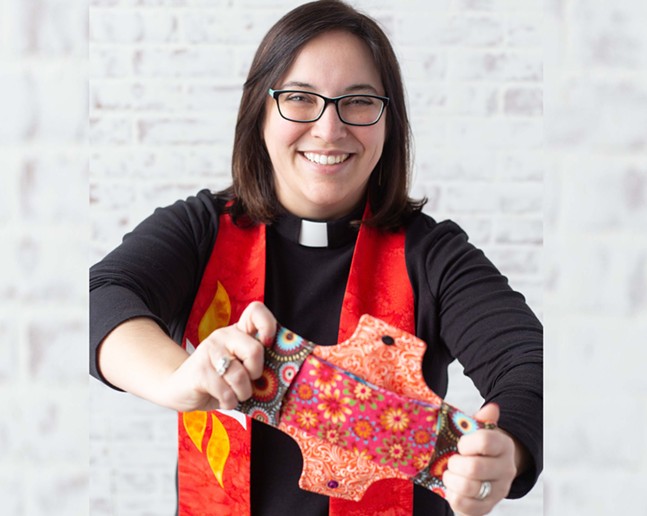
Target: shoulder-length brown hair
(253,181)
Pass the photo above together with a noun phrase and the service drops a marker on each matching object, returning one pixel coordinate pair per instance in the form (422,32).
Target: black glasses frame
(329,100)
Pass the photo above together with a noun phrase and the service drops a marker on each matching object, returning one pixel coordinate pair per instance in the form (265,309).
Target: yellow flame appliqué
(218,449)
(195,424)
(216,315)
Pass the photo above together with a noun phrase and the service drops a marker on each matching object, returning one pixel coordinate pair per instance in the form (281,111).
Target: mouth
(326,159)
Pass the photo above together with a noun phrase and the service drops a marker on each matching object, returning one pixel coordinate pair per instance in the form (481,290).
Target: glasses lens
(300,106)
(360,109)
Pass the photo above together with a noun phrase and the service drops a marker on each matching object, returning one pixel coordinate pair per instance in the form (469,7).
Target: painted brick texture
(529,124)
(596,252)
(44,233)
(165,82)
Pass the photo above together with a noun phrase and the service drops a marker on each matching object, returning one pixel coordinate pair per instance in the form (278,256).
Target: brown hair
(253,181)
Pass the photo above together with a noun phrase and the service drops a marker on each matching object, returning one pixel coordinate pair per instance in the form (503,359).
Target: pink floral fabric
(337,407)
(360,411)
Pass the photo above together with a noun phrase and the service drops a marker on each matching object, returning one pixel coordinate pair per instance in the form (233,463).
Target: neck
(316,233)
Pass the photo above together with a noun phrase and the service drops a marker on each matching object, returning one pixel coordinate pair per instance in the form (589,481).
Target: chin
(331,211)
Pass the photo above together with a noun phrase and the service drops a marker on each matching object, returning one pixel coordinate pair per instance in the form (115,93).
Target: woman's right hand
(138,357)
(197,385)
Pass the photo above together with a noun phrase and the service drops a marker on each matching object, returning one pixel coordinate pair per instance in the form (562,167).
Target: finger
(246,349)
(238,380)
(466,506)
(467,487)
(257,319)
(488,413)
(210,404)
(487,442)
(480,468)
(223,396)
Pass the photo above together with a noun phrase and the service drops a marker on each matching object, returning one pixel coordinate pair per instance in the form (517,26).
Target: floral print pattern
(395,419)
(334,407)
(363,429)
(452,424)
(344,410)
(360,411)
(281,366)
(324,377)
(307,419)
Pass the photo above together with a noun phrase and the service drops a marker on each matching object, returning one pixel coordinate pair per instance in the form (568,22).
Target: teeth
(322,159)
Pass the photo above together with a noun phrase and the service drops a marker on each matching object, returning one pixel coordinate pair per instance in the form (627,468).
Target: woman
(322,141)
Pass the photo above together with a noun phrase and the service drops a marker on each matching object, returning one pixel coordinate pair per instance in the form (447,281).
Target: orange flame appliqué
(218,449)
(218,446)
(216,315)
(195,424)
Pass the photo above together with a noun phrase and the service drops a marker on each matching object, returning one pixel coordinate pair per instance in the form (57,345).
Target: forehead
(333,62)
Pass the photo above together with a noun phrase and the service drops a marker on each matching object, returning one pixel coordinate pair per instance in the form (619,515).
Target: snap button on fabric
(333,484)
(388,340)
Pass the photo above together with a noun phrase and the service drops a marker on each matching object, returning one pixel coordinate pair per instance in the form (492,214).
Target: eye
(299,97)
(359,101)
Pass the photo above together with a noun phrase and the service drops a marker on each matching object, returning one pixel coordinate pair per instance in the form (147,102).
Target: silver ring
(486,488)
(222,364)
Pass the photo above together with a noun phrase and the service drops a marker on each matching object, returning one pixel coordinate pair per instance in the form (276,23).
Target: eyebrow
(350,89)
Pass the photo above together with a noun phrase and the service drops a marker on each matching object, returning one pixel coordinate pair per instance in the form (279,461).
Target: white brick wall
(165,82)
(476,78)
(596,256)
(44,233)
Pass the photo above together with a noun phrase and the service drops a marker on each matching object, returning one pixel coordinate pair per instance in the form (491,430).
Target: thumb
(257,320)
(488,413)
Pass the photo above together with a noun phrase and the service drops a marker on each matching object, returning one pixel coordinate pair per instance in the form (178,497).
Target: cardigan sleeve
(155,271)
(482,322)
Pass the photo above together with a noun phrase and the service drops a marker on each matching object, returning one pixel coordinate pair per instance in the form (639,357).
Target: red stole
(215,448)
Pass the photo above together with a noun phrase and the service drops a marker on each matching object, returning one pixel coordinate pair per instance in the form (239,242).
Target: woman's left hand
(485,455)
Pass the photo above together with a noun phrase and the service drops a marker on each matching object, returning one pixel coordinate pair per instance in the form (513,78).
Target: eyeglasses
(305,106)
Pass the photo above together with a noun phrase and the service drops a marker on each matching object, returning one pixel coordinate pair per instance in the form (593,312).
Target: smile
(322,159)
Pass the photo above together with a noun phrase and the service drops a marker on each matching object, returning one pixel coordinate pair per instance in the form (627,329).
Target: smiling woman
(305,51)
(321,147)
(321,168)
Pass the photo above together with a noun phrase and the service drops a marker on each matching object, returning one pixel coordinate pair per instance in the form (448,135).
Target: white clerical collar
(318,234)
(313,234)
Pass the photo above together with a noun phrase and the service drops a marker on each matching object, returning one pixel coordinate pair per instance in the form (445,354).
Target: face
(332,64)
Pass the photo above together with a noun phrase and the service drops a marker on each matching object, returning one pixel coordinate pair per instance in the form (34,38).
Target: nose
(329,127)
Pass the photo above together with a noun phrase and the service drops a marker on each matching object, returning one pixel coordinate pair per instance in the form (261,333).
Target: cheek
(279,134)
(374,144)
